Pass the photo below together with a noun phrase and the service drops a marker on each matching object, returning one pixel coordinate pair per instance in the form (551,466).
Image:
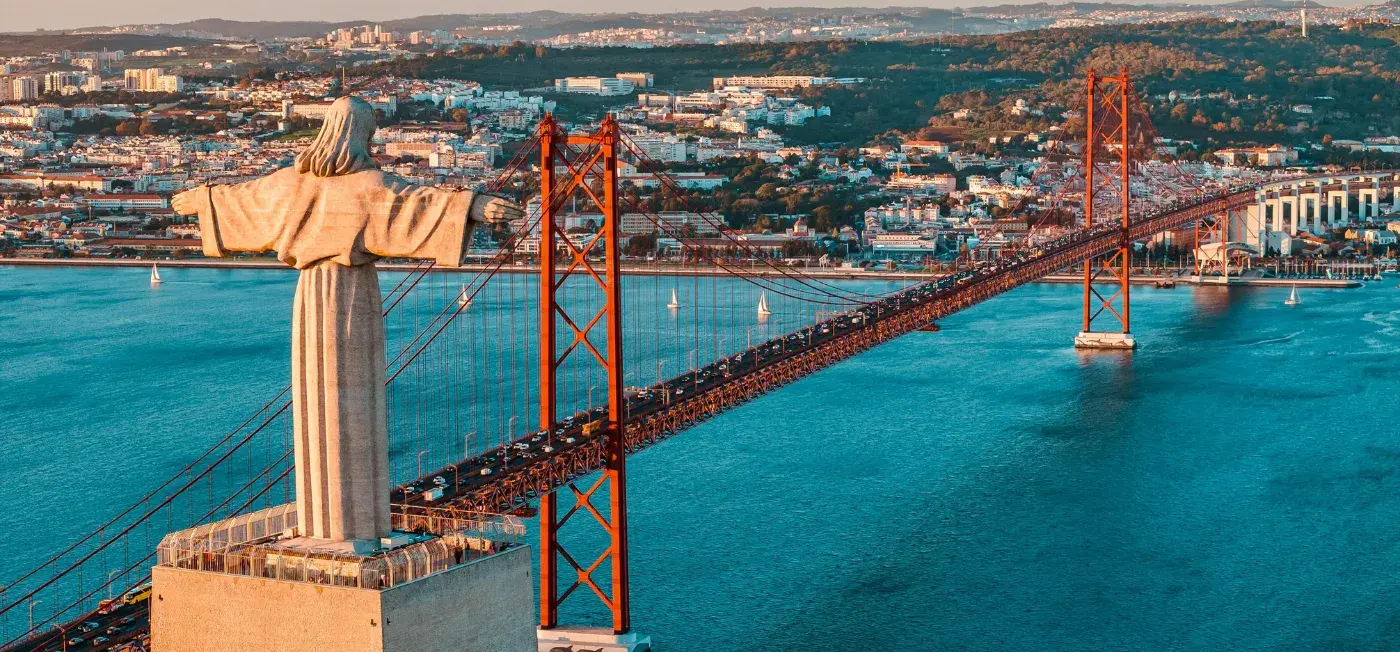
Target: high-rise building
(142,79)
(153,80)
(56,82)
(24,88)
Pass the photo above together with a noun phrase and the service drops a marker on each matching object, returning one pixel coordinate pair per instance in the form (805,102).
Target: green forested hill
(1350,78)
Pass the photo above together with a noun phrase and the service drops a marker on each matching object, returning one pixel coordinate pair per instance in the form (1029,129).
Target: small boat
(763,310)
(1167,282)
(1293,299)
(675,303)
(155,275)
(464,299)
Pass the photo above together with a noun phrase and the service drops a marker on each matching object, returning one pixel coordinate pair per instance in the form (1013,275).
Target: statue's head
(343,144)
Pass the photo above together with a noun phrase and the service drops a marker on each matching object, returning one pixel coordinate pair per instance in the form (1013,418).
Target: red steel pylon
(591,162)
(1107,125)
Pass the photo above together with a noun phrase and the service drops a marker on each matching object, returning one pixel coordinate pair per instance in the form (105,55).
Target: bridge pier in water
(1107,123)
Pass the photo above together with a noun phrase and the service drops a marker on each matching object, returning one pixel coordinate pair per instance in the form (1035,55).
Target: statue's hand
(185,203)
(496,210)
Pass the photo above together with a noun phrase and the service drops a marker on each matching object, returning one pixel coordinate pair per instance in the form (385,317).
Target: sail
(675,303)
(155,275)
(763,304)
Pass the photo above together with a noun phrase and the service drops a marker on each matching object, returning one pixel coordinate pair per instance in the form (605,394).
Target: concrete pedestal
(591,639)
(486,604)
(1118,341)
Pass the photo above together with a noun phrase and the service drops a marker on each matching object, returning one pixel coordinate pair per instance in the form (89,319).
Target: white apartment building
(152,80)
(61,81)
(638,79)
(24,88)
(672,222)
(667,149)
(939,183)
(771,82)
(605,86)
(389,104)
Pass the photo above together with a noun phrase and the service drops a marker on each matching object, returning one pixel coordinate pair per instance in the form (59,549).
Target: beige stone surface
(486,605)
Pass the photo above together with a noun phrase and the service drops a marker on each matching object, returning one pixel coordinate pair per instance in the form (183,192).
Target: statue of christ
(331,215)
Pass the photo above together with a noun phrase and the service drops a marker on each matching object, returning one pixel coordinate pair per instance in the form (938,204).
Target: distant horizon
(83,14)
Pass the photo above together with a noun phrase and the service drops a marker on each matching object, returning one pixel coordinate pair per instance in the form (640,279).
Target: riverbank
(775,271)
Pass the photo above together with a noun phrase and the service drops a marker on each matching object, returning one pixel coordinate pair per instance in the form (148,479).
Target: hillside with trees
(1235,82)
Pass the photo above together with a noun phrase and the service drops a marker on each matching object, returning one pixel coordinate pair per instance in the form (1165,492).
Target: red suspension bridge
(526,393)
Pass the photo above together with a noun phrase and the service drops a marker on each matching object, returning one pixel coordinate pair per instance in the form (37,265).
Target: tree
(640,245)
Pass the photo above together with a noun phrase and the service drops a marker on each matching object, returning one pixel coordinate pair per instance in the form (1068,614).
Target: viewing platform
(444,580)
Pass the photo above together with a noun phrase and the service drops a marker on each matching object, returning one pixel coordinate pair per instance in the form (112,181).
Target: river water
(1232,485)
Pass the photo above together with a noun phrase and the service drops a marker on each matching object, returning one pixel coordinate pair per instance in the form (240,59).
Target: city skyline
(93,13)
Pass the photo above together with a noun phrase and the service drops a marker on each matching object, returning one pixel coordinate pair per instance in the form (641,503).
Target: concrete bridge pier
(1369,205)
(1110,341)
(1255,233)
(1289,219)
(1338,205)
(1311,207)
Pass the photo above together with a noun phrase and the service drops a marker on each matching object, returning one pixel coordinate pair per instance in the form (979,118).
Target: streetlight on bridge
(31,615)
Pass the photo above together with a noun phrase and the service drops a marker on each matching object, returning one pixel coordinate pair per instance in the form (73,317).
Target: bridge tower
(1107,120)
(590,164)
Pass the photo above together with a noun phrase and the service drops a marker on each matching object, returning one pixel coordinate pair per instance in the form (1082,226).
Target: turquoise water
(1231,486)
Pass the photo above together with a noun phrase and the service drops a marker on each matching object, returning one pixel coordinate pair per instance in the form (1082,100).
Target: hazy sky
(67,14)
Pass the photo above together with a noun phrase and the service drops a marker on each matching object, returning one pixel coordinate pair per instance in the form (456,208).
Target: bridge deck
(508,478)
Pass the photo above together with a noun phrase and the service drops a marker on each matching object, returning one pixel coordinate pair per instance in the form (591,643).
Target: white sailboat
(763,310)
(464,299)
(675,303)
(155,275)
(1293,299)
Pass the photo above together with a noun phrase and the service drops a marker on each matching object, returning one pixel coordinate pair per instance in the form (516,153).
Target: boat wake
(1274,340)
(1387,321)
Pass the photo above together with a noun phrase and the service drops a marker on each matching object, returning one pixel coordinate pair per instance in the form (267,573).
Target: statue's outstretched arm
(410,221)
(238,217)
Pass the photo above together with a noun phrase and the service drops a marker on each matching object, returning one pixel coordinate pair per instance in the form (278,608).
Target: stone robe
(333,229)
